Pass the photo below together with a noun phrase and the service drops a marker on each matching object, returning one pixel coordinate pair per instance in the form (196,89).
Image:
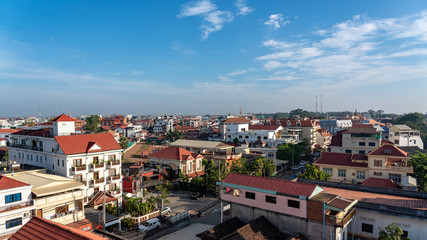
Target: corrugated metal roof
(200,144)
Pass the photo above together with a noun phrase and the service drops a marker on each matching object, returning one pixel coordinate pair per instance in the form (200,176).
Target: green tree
(262,167)
(112,209)
(299,112)
(174,135)
(419,162)
(239,166)
(93,123)
(6,155)
(314,172)
(164,192)
(235,140)
(123,142)
(392,232)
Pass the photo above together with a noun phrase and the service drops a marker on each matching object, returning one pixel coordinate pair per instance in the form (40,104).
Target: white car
(149,225)
(166,210)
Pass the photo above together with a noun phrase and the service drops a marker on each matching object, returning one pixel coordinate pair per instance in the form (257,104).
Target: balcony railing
(79,168)
(400,168)
(62,214)
(97,181)
(16,206)
(97,165)
(115,163)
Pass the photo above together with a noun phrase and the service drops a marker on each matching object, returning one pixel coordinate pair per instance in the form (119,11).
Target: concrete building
(306,128)
(291,207)
(56,198)
(386,162)
(379,207)
(16,205)
(333,126)
(93,159)
(404,136)
(360,138)
(189,163)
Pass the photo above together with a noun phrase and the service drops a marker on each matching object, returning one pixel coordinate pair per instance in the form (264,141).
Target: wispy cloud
(359,51)
(242,8)
(276,21)
(213,18)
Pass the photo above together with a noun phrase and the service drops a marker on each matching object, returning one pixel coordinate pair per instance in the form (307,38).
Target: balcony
(97,165)
(400,168)
(16,206)
(67,217)
(97,181)
(114,178)
(115,163)
(79,168)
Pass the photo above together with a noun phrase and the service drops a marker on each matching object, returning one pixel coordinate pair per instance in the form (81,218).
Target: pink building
(291,207)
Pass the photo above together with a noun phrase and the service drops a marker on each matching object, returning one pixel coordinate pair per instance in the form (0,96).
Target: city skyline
(199,57)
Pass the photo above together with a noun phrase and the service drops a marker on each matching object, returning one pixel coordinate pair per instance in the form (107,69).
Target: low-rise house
(189,163)
(16,205)
(306,128)
(56,198)
(291,207)
(324,139)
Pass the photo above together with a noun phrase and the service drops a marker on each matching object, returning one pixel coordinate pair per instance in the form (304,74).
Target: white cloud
(272,64)
(213,19)
(236,73)
(356,52)
(242,8)
(276,21)
(277,44)
(214,22)
(197,8)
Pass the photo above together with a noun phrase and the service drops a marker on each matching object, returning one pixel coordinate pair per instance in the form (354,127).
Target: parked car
(299,166)
(149,225)
(196,195)
(166,210)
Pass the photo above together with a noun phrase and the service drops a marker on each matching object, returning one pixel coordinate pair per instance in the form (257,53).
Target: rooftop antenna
(240,110)
(40,113)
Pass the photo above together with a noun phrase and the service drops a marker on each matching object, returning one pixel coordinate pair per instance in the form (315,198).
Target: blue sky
(196,57)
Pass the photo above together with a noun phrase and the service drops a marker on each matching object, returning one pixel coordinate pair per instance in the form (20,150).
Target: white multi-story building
(16,205)
(94,159)
(239,128)
(404,136)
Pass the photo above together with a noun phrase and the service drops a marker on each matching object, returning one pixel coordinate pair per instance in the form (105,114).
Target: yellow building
(57,198)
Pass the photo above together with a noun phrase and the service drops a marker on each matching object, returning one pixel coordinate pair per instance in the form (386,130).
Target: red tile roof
(175,153)
(264,127)
(378,198)
(271,184)
(381,182)
(42,229)
(63,118)
(237,120)
(98,199)
(343,159)
(393,151)
(6,183)
(8,130)
(75,144)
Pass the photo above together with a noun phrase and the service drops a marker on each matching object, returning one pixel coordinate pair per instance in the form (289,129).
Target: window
(378,173)
(341,172)
(58,162)
(270,199)
(369,228)
(246,136)
(62,209)
(360,174)
(293,204)
(243,129)
(265,137)
(240,136)
(362,144)
(378,163)
(250,195)
(96,190)
(112,157)
(328,171)
(63,163)
(13,222)
(396,142)
(372,144)
(362,152)
(77,162)
(12,198)
(395,177)
(347,151)
(229,136)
